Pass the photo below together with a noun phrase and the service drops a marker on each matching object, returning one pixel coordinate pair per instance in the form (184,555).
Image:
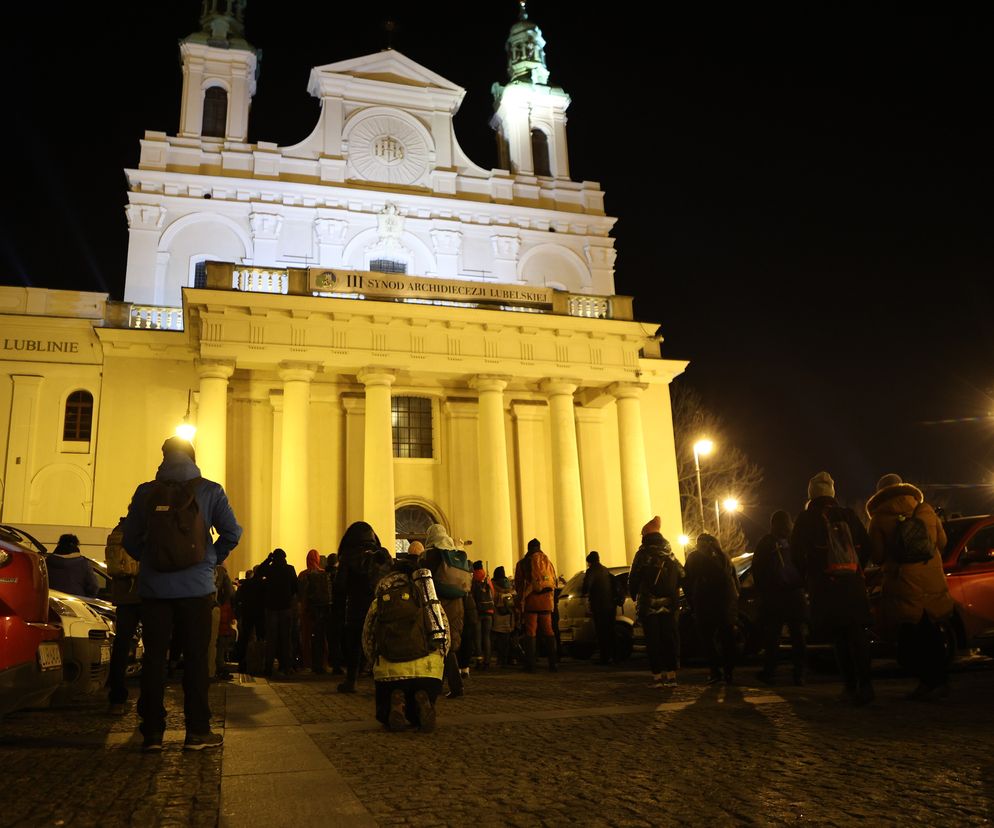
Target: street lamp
(702,448)
(730,504)
(187,430)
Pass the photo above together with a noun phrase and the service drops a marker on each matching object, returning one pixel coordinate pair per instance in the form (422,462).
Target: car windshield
(955,530)
(12,535)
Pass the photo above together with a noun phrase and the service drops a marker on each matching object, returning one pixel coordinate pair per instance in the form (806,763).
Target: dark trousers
(335,630)
(251,626)
(126,622)
(852,651)
(189,619)
(662,640)
(503,642)
(772,625)
(410,686)
(318,615)
(483,646)
(718,641)
(353,648)
(451,673)
(921,651)
(278,629)
(604,628)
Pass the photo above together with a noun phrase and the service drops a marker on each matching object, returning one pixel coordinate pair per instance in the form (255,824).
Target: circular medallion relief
(387,149)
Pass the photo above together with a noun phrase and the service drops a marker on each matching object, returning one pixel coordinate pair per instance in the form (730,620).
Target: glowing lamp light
(730,504)
(683,540)
(186,431)
(702,448)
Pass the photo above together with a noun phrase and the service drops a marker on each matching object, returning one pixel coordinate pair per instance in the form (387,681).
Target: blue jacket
(197,580)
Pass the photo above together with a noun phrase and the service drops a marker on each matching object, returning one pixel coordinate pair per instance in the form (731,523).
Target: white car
(86,641)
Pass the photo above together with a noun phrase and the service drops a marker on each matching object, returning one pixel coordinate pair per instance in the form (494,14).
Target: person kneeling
(405,638)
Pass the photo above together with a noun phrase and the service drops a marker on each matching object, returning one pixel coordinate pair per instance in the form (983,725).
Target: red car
(969,565)
(30,654)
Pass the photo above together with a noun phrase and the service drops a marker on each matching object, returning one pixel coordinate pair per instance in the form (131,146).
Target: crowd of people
(418,622)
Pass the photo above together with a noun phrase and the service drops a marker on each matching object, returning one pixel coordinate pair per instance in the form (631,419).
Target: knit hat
(821,485)
(654,525)
(416,548)
(594,557)
(174,445)
(889,480)
(477,564)
(534,544)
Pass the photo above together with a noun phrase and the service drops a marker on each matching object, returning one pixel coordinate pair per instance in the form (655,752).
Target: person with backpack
(279,587)
(314,590)
(907,539)
(780,596)
(69,570)
(504,615)
(830,546)
(453,579)
(712,588)
(535,584)
(654,584)
(483,598)
(362,561)
(167,529)
(123,572)
(598,589)
(405,638)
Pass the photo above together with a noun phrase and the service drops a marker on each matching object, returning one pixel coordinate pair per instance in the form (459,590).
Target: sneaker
(396,720)
(199,741)
(426,712)
(152,743)
(117,708)
(670,682)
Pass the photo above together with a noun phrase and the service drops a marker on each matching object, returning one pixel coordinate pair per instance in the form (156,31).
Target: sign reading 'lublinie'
(402,286)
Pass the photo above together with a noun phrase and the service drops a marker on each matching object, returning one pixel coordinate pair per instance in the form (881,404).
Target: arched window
(79,416)
(412,429)
(540,152)
(215,113)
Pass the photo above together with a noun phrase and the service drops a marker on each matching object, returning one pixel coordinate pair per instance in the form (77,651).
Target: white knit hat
(821,485)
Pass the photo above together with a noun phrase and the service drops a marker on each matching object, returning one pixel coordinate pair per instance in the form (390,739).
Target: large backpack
(317,588)
(655,579)
(911,543)
(543,574)
(175,532)
(455,574)
(374,565)
(840,557)
(119,563)
(483,596)
(401,633)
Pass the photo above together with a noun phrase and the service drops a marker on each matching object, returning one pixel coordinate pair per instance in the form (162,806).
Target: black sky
(803,192)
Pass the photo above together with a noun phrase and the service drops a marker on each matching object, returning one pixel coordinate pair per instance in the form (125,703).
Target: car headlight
(5,557)
(63,607)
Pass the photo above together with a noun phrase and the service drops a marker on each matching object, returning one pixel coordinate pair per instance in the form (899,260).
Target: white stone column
(505,261)
(294,517)
(533,519)
(211,439)
(495,496)
(568,504)
(594,484)
(448,245)
(330,234)
(265,237)
(276,401)
(355,429)
(145,223)
(377,477)
(636,504)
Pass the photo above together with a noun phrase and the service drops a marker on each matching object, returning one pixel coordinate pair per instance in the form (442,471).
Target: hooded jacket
(197,580)
(69,571)
(353,590)
(910,589)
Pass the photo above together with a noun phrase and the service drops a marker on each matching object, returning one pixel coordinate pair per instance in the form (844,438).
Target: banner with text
(401,286)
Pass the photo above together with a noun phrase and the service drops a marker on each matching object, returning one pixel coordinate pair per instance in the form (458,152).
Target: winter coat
(69,571)
(197,580)
(503,622)
(910,589)
(712,585)
(352,591)
(836,600)
(779,585)
(279,584)
(430,666)
(313,585)
(646,581)
(598,586)
(533,602)
(480,578)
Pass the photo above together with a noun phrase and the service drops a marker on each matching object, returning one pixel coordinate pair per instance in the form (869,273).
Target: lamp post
(702,448)
(730,504)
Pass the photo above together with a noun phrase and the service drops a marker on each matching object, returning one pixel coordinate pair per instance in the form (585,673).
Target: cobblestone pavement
(77,766)
(588,746)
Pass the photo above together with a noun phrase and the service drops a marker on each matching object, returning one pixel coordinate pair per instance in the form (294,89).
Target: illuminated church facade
(363,326)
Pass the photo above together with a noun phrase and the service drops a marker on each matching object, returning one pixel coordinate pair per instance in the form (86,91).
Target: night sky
(804,194)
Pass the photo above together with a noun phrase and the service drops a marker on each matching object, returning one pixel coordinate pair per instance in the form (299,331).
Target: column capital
(293,371)
(276,401)
(371,377)
(627,390)
(353,403)
(559,386)
(215,368)
(489,382)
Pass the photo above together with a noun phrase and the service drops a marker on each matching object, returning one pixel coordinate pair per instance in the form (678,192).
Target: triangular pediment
(390,66)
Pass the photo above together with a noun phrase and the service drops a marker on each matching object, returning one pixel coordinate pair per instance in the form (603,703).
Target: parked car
(86,641)
(30,654)
(576,625)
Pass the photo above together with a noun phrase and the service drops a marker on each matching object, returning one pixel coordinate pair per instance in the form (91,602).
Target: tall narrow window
(200,275)
(540,152)
(411,417)
(215,113)
(79,416)
(387,266)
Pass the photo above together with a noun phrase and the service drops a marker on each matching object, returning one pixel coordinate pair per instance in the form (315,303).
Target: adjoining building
(363,326)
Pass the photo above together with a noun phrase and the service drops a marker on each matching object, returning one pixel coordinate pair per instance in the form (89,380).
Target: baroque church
(366,325)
